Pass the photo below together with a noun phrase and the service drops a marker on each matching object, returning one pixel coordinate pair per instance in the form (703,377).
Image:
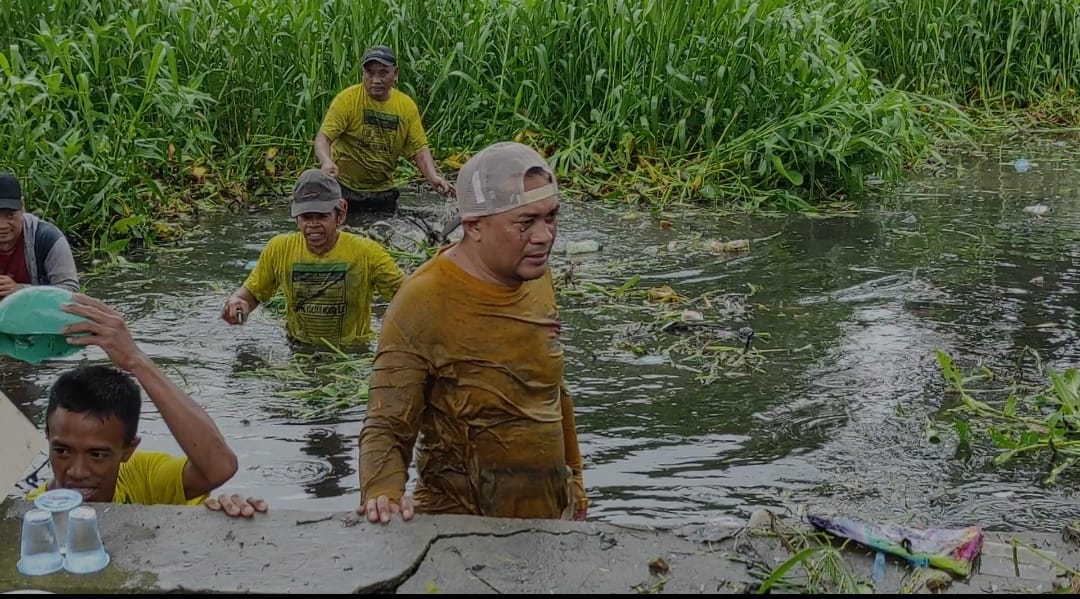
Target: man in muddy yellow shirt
(469,364)
(330,276)
(367,128)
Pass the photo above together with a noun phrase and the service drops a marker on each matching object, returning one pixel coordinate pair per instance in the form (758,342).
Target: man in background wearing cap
(32,251)
(330,276)
(469,361)
(367,128)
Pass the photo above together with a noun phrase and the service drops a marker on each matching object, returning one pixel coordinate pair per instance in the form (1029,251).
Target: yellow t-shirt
(328,296)
(472,374)
(367,136)
(148,478)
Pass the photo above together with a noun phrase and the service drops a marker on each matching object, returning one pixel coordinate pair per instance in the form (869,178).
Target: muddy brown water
(946,261)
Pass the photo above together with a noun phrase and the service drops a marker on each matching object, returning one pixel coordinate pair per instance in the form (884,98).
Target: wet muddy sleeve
(573,451)
(395,406)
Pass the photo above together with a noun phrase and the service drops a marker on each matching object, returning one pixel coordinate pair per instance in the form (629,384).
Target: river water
(848,312)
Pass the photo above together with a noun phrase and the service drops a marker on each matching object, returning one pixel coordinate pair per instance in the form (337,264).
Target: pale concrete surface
(182,549)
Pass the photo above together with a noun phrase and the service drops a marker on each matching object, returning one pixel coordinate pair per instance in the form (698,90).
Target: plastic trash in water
(250,265)
(1021,165)
(586,246)
(879,567)
(951,550)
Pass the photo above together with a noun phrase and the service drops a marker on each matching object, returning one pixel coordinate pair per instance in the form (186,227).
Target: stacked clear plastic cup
(59,502)
(39,551)
(85,552)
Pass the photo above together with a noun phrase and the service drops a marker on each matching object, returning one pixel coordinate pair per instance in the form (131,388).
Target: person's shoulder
(282,240)
(41,223)
(359,243)
(46,234)
(142,456)
(144,462)
(403,100)
(351,91)
(428,278)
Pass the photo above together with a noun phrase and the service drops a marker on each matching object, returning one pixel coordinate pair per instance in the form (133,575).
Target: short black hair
(101,391)
(539,171)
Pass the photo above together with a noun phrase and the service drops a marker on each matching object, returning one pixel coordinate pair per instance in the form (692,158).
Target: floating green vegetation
(1035,419)
(695,333)
(319,384)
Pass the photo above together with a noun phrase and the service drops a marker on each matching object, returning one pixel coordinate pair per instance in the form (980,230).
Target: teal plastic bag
(31,321)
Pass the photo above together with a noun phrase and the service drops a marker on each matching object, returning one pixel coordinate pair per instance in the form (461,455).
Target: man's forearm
(245,294)
(427,166)
(189,424)
(322,148)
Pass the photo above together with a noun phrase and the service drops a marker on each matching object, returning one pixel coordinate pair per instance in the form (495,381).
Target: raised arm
(211,463)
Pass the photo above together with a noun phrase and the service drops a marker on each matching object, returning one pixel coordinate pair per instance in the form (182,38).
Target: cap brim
(10,203)
(324,207)
(383,61)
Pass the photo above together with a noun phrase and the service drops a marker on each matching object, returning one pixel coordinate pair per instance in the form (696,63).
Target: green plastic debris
(31,321)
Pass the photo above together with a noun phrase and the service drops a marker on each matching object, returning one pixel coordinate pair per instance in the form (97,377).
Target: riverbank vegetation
(122,115)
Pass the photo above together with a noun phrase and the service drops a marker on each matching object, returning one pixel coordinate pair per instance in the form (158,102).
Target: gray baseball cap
(493,181)
(315,191)
(381,54)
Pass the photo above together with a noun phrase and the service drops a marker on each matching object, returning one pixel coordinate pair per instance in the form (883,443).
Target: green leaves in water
(1041,419)
(703,335)
(318,385)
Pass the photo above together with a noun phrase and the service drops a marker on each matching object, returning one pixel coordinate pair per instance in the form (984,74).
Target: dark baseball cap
(315,191)
(380,54)
(10,192)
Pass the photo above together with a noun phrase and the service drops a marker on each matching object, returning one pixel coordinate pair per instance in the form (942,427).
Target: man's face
(85,452)
(517,243)
(11,225)
(320,229)
(378,79)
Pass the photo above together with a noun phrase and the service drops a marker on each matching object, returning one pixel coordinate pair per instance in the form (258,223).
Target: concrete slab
(506,556)
(189,549)
(183,549)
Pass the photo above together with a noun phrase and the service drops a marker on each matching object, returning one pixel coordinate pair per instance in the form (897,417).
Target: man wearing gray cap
(469,366)
(330,277)
(367,128)
(32,251)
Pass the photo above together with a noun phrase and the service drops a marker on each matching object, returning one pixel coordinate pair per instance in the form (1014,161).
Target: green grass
(123,115)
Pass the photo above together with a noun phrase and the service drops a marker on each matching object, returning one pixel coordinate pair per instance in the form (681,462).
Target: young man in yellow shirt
(92,423)
(367,128)
(330,277)
(469,366)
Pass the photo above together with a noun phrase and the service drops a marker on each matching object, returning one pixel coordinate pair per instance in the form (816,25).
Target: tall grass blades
(118,112)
